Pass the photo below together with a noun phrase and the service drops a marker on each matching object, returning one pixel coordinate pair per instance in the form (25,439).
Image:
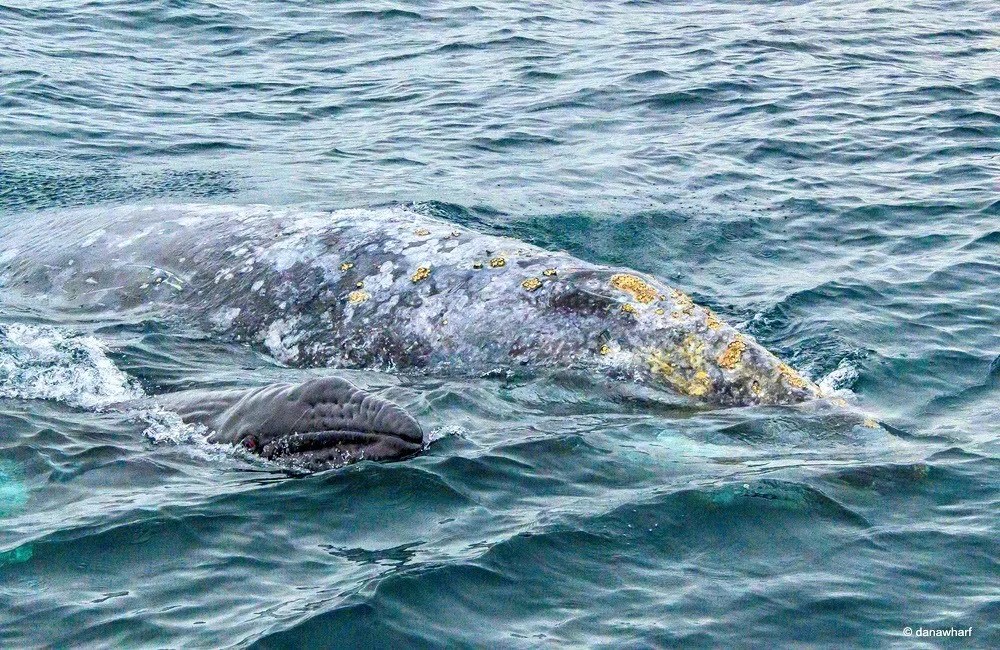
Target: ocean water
(825,175)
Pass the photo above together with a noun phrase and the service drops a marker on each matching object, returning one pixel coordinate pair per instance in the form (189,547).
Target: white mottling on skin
(383,279)
(224,274)
(466,316)
(93,238)
(128,241)
(8,255)
(223,318)
(292,250)
(281,340)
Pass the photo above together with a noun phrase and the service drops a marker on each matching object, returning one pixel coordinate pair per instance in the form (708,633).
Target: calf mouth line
(334,444)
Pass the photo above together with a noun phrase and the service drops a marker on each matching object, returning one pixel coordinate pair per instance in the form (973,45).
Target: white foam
(45,363)
(167,427)
(439,433)
(42,362)
(839,379)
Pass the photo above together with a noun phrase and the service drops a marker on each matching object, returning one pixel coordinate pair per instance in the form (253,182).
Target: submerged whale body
(390,289)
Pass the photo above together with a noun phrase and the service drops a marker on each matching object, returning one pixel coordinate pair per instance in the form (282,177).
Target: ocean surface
(825,175)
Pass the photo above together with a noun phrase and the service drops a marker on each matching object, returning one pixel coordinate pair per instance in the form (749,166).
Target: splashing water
(42,362)
(46,363)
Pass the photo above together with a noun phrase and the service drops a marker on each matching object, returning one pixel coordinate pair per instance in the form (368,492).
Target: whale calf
(319,423)
(390,289)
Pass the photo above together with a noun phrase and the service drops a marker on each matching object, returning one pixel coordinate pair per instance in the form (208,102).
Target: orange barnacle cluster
(634,286)
(731,356)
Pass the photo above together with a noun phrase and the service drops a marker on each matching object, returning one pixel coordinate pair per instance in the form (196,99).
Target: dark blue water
(824,174)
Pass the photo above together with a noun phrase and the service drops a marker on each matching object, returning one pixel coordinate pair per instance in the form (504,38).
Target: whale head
(317,424)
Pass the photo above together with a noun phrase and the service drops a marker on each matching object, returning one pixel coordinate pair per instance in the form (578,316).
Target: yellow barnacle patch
(700,384)
(791,377)
(421,273)
(659,363)
(421,232)
(497,262)
(531,284)
(634,286)
(869,423)
(660,311)
(712,321)
(628,308)
(549,273)
(755,388)
(347,266)
(359,285)
(684,369)
(605,350)
(358,296)
(693,350)
(731,356)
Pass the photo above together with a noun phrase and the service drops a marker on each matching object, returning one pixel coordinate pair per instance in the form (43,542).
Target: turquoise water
(826,175)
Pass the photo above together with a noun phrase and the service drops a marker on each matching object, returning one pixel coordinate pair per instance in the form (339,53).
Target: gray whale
(389,289)
(318,423)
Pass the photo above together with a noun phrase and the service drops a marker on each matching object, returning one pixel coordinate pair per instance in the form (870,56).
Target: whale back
(391,289)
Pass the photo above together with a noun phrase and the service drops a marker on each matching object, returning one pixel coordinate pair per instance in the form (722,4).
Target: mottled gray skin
(319,423)
(390,289)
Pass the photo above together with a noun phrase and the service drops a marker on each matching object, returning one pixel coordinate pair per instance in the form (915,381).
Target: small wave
(385,14)
(42,362)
